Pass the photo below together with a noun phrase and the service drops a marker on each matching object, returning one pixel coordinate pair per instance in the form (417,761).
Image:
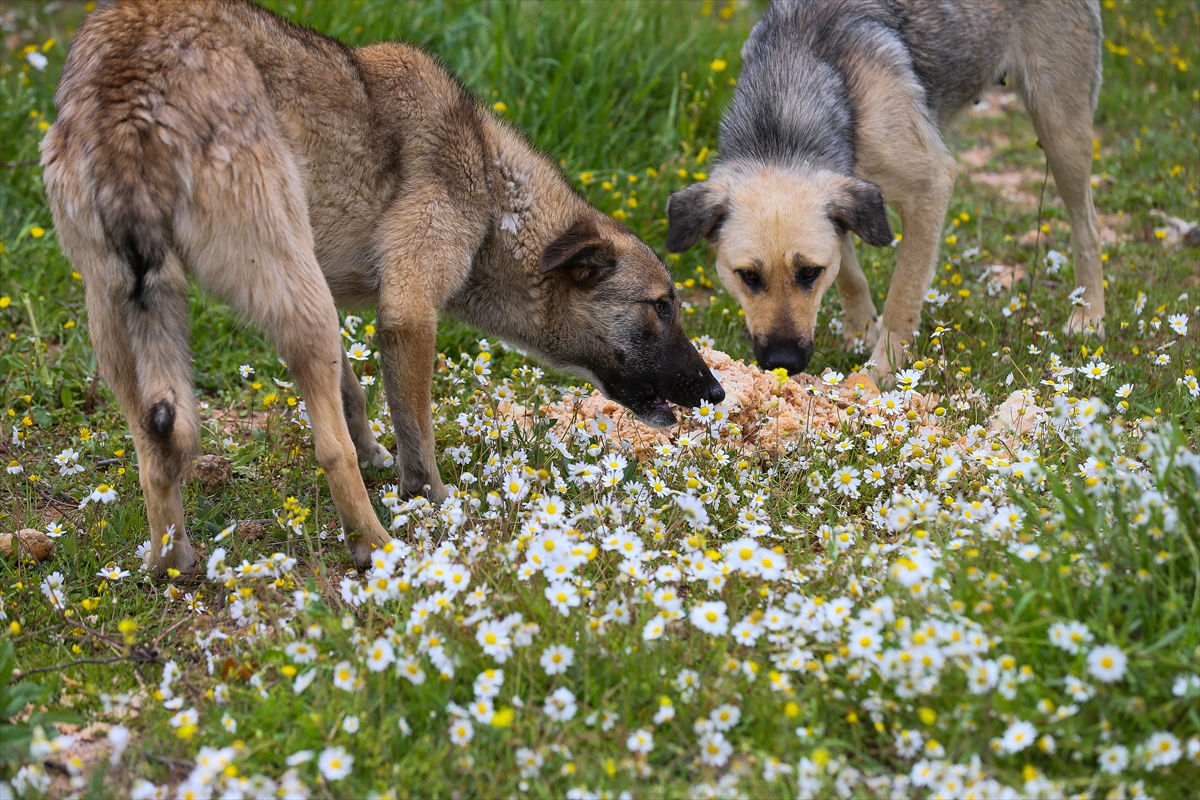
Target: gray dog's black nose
(788,354)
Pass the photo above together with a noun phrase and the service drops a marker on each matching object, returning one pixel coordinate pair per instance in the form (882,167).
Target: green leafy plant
(16,732)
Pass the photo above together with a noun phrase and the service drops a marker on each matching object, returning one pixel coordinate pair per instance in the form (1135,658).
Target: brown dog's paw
(362,554)
(182,558)
(377,457)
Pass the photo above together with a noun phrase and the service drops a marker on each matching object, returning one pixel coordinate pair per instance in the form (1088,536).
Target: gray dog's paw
(1082,323)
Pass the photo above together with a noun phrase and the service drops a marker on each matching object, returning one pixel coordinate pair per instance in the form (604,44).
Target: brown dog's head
(611,314)
(777,234)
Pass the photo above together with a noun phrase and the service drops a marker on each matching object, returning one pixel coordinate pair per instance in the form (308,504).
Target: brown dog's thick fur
(289,174)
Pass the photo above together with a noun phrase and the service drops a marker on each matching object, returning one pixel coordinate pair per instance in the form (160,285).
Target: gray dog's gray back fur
(795,97)
(841,107)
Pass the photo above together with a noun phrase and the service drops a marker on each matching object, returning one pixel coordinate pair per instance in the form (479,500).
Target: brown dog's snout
(692,382)
(715,391)
(694,385)
(790,353)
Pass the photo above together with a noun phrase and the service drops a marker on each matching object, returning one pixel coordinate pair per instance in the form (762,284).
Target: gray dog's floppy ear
(693,214)
(580,245)
(860,208)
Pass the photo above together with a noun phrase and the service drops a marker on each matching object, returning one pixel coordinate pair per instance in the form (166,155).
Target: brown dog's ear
(860,208)
(580,245)
(693,214)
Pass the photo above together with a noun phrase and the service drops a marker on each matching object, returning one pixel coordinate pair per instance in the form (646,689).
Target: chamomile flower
(556,659)
(345,676)
(724,717)
(67,462)
(640,741)
(846,481)
(335,763)
(710,617)
(1070,636)
(560,705)
(1106,663)
(301,652)
(1162,749)
(1018,736)
(380,655)
(112,572)
(1113,760)
(562,596)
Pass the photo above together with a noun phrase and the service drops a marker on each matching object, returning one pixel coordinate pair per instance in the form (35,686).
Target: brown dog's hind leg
(299,316)
(262,262)
(310,343)
(141,342)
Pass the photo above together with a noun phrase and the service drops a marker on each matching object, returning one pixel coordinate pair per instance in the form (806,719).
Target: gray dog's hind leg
(1059,79)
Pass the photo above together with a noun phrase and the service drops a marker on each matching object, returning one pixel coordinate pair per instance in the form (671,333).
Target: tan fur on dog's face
(777,253)
(778,236)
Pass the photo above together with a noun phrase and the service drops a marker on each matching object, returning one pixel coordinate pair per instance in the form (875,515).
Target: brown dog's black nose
(716,392)
(790,354)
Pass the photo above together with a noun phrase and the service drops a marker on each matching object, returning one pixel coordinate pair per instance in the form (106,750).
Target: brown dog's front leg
(408,345)
(354,404)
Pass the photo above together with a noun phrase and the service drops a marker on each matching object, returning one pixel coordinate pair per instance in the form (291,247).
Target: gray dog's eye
(806,276)
(662,308)
(752,279)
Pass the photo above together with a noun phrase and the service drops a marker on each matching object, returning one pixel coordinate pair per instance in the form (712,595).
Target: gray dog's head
(612,315)
(778,234)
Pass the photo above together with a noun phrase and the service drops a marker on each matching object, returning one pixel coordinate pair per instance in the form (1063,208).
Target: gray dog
(840,109)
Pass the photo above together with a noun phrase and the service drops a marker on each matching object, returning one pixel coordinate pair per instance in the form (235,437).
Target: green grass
(627,97)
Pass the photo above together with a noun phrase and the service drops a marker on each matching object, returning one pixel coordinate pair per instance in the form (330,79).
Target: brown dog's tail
(136,280)
(136,189)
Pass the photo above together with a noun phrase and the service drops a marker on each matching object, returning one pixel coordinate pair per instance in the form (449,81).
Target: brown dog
(289,174)
(840,107)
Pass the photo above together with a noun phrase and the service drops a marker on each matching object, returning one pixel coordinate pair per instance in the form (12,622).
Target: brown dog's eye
(752,279)
(663,309)
(807,276)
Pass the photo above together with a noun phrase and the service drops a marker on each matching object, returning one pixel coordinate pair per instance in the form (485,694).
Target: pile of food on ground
(769,412)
